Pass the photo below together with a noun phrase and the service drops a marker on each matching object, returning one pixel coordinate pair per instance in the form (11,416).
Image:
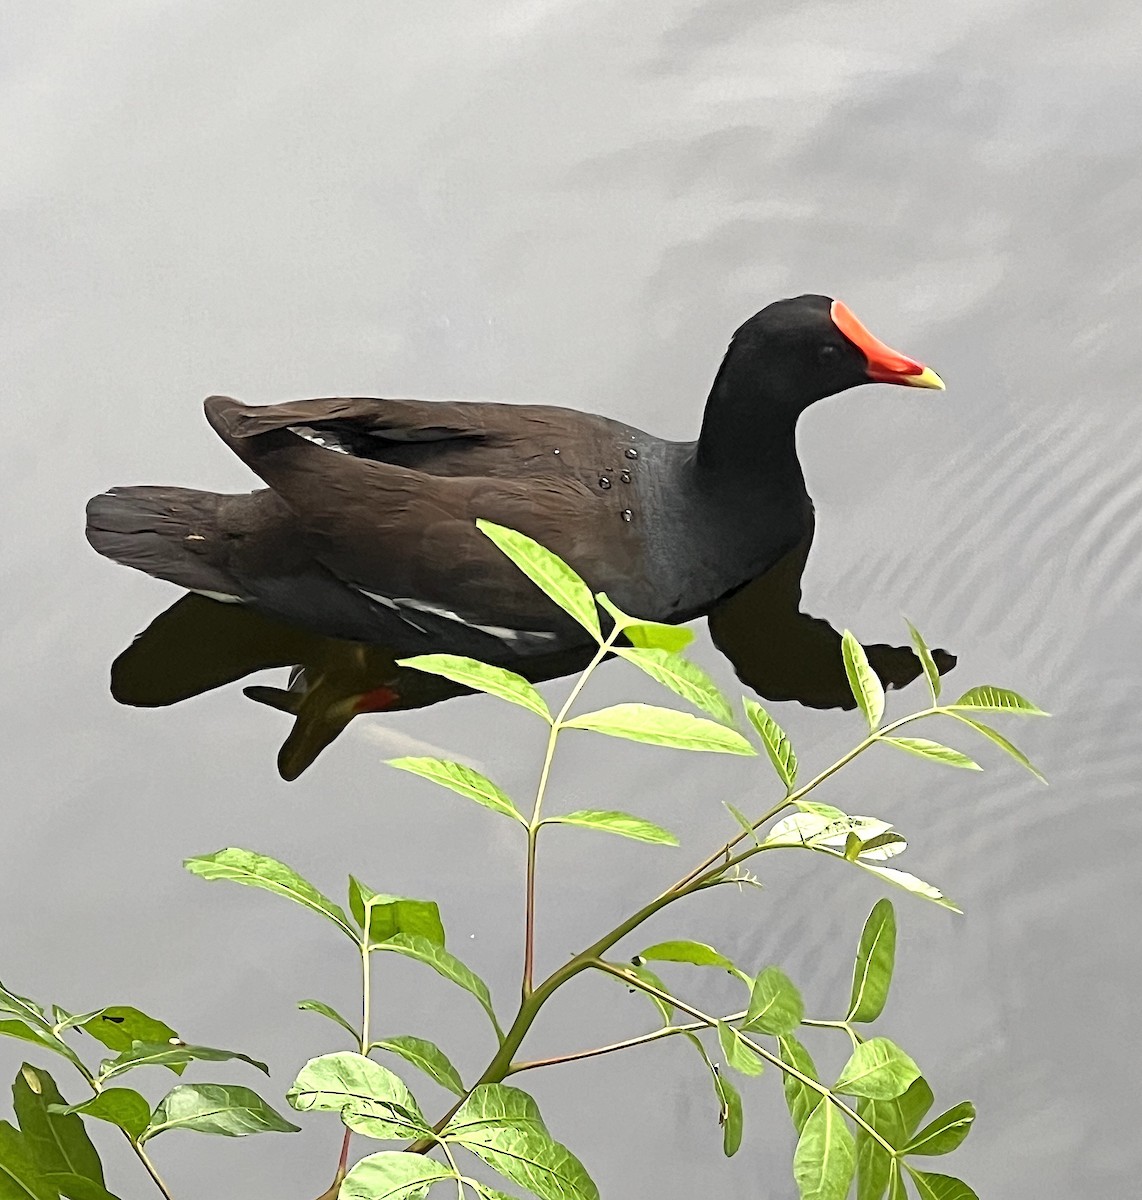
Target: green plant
(865,1126)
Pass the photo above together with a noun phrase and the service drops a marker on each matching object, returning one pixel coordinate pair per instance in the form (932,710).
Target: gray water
(578,203)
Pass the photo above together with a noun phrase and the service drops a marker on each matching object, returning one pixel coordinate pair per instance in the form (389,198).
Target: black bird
(367,532)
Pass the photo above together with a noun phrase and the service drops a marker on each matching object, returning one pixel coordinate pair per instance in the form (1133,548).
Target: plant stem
(854,1037)
(366,986)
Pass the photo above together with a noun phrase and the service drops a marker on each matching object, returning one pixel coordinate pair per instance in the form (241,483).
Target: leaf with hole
(549,573)
(775,1004)
(878,1069)
(663,727)
(481,677)
(463,780)
(390,915)
(864,682)
(933,751)
(370,1098)
(824,1160)
(260,871)
(224,1109)
(56,1140)
(121,1025)
(684,678)
(945,1133)
(776,742)
(621,823)
(393,1175)
(875,959)
(427,1057)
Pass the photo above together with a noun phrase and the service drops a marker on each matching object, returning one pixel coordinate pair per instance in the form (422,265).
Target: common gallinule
(367,529)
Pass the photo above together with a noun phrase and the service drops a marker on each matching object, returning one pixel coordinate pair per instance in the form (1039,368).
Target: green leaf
(909,883)
(682,950)
(57,1141)
(146,1054)
(731,1117)
(325,1010)
(933,751)
(738,1055)
(883,846)
(896,1188)
(428,1057)
(38,1036)
(77,1187)
(993,735)
(490,1193)
(617,822)
(875,959)
(118,1026)
(502,1126)
(815,829)
(257,870)
(369,1097)
(863,680)
(824,1161)
(549,573)
(20,1177)
(393,1175)
(470,672)
(800,1099)
(463,780)
(663,727)
(743,821)
(27,1010)
(684,678)
(648,635)
(646,975)
(822,810)
(447,965)
(878,1069)
(945,1133)
(224,1109)
(894,1120)
(931,671)
(119,1106)
(390,915)
(994,699)
(930,1186)
(776,742)
(775,1004)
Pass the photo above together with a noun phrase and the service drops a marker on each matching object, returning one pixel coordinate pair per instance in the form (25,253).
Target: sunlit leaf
(682,950)
(326,1010)
(930,1186)
(446,965)
(224,1109)
(390,915)
(993,735)
(617,822)
(931,671)
(482,677)
(882,847)
(684,678)
(909,883)
(120,1025)
(146,1054)
(875,959)
(743,821)
(502,1126)
(776,742)
(824,1161)
(775,1004)
(822,810)
(549,573)
(866,687)
(461,779)
(816,829)
(393,1175)
(370,1098)
(257,870)
(119,1106)
(878,1069)
(933,751)
(20,1177)
(800,1099)
(649,635)
(738,1055)
(945,1133)
(994,699)
(663,727)
(57,1141)
(428,1057)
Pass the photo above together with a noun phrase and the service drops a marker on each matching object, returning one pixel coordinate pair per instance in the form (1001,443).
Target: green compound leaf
(621,823)
(446,965)
(930,1186)
(502,1126)
(463,780)
(776,742)
(119,1106)
(775,1004)
(224,1109)
(327,1010)
(875,959)
(56,1141)
(684,678)
(864,682)
(647,635)
(481,677)
(825,1158)
(933,751)
(663,727)
(427,1057)
(260,871)
(878,1069)
(945,1133)
(800,1099)
(994,699)
(931,672)
(390,915)
(369,1097)
(738,1055)
(393,1175)
(549,573)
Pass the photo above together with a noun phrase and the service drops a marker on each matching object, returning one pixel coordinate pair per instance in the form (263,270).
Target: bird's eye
(828,353)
